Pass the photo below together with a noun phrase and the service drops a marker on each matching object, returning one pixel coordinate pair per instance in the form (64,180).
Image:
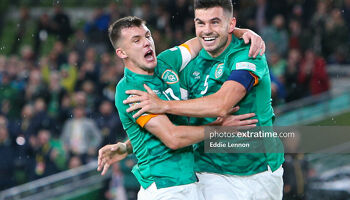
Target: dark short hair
(114,29)
(205,4)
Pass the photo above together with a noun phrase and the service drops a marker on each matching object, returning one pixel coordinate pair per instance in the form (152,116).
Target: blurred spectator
(126,8)
(277,65)
(276,36)
(108,79)
(23,126)
(61,24)
(80,136)
(313,73)
(261,15)
(28,56)
(336,38)
(44,156)
(293,88)
(163,18)
(296,170)
(59,54)
(74,162)
(18,72)
(10,97)
(296,36)
(35,87)
(7,164)
(22,26)
(145,13)
(158,37)
(131,184)
(79,44)
(88,87)
(113,11)
(41,119)
(55,94)
(97,30)
(65,111)
(109,124)
(179,11)
(44,28)
(69,72)
(116,189)
(278,92)
(53,62)
(318,22)
(295,177)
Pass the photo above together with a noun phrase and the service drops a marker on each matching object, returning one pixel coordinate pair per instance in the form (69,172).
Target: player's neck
(138,70)
(220,51)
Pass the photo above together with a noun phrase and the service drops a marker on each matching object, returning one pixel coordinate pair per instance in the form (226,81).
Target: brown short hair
(114,29)
(204,4)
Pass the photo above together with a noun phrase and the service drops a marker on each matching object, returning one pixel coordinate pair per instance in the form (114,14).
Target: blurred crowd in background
(57,105)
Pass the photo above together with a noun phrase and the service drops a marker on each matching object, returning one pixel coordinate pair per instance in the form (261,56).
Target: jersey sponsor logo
(170,77)
(246,65)
(219,70)
(196,75)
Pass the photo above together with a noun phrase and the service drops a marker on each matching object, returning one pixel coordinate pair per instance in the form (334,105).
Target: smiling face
(136,47)
(213,26)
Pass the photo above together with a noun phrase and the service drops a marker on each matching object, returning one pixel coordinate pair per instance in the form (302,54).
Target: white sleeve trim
(186,57)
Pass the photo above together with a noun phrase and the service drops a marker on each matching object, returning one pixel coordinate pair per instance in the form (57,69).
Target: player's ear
(121,53)
(232,24)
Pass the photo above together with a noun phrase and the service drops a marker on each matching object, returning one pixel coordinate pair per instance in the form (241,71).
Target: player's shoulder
(240,53)
(168,53)
(123,85)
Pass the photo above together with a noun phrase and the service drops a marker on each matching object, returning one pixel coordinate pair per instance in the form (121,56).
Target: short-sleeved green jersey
(204,76)
(156,162)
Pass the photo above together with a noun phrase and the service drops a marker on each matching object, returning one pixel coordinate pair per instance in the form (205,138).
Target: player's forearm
(194,46)
(218,104)
(183,136)
(201,107)
(129,149)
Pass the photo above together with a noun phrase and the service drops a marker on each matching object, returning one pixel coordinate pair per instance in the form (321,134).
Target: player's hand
(145,101)
(110,154)
(257,44)
(243,121)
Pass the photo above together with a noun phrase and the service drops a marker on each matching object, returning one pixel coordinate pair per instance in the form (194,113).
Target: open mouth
(209,39)
(149,56)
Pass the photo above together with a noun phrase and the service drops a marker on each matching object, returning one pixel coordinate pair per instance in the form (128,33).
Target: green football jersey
(204,76)
(156,162)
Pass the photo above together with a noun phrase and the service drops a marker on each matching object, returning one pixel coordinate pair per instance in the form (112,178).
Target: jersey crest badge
(170,77)
(219,70)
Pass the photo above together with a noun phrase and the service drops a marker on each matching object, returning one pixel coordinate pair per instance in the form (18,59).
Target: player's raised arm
(193,46)
(218,104)
(257,43)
